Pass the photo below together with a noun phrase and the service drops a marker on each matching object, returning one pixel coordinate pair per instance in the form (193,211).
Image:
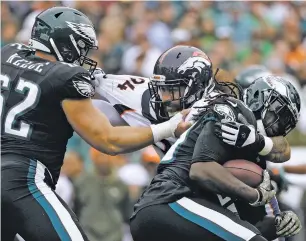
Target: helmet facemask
(168,97)
(279,116)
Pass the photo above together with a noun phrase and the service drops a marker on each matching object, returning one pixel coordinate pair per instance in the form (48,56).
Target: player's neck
(43,55)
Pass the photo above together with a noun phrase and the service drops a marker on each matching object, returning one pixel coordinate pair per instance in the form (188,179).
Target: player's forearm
(125,139)
(129,139)
(94,127)
(280,152)
(215,178)
(297,169)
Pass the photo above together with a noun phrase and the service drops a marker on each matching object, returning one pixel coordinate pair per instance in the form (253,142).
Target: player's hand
(98,76)
(287,224)
(239,134)
(178,121)
(265,190)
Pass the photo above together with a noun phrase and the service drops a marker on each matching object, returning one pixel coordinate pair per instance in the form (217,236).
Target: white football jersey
(130,97)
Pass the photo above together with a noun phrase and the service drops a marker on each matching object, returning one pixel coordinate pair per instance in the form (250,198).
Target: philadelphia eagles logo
(84,30)
(84,88)
(196,63)
(225,111)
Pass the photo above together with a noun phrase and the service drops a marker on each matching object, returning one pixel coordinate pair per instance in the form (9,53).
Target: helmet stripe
(74,44)
(59,56)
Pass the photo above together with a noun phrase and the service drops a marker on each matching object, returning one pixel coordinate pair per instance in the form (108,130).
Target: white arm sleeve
(108,110)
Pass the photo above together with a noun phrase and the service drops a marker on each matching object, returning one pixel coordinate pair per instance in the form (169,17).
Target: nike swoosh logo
(233,104)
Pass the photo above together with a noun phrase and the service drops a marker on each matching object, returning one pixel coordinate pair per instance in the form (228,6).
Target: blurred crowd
(131,35)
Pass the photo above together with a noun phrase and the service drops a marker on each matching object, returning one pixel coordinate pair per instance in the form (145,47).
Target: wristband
(258,197)
(268,146)
(161,131)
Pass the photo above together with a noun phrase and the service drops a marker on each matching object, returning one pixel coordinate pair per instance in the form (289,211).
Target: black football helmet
(185,73)
(248,75)
(65,33)
(276,102)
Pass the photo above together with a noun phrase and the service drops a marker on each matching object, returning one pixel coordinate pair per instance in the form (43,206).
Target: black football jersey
(198,144)
(33,123)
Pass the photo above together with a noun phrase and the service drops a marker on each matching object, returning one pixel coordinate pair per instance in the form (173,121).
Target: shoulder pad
(15,48)
(83,84)
(66,71)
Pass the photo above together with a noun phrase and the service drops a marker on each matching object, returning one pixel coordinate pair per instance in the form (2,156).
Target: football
(246,171)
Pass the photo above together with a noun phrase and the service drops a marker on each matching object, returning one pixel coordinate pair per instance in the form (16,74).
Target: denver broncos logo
(194,63)
(84,30)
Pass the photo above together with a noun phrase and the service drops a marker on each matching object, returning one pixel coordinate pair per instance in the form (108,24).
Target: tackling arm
(95,128)
(274,149)
(280,152)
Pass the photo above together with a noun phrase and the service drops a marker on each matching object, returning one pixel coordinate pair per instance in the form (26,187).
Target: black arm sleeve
(208,147)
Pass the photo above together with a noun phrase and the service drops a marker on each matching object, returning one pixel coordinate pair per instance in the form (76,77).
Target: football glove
(287,224)
(265,191)
(239,135)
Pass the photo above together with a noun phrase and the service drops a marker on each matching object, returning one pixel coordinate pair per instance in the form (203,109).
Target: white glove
(265,191)
(242,135)
(287,224)
(236,134)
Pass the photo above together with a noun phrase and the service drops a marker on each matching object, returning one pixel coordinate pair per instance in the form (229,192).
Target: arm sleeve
(208,147)
(77,87)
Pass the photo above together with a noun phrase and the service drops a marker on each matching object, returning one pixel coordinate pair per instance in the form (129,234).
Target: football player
(276,105)
(45,95)
(130,97)
(126,100)
(183,200)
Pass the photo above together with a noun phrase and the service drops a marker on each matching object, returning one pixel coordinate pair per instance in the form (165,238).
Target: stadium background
(131,35)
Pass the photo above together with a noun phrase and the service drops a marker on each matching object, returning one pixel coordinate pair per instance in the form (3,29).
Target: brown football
(246,171)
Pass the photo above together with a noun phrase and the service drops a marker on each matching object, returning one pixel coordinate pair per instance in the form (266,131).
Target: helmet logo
(277,84)
(194,63)
(85,31)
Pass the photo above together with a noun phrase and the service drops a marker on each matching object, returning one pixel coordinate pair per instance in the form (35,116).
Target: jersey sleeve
(78,86)
(209,147)
(127,94)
